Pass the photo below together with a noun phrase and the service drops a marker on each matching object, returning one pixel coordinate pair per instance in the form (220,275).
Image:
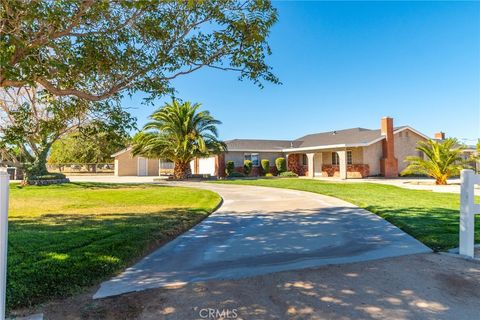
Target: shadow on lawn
(58,254)
(92,185)
(108,185)
(436,227)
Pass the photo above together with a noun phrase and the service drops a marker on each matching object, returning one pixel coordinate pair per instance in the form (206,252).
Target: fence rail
(82,168)
(165,168)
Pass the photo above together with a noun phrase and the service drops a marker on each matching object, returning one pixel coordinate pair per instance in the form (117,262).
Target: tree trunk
(181,170)
(39,165)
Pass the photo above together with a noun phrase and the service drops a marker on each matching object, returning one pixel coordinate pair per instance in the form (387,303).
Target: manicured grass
(63,238)
(432,218)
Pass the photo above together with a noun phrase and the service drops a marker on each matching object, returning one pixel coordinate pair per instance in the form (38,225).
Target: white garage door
(206,166)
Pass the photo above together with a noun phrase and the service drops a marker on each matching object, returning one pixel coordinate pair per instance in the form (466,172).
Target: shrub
(236,175)
(229,167)
(288,174)
(247,167)
(265,166)
(281,164)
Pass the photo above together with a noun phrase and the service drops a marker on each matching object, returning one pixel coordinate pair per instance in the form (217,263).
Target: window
(335,159)
(304,160)
(253,157)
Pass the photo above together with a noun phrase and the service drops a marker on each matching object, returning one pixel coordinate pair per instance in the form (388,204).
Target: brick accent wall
(294,164)
(257,170)
(238,169)
(388,164)
(196,165)
(305,170)
(220,165)
(353,170)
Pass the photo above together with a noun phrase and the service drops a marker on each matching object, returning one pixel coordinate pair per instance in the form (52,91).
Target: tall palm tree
(179,132)
(442,159)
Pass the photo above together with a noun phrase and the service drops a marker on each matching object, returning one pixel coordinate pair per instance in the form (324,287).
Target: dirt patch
(426,286)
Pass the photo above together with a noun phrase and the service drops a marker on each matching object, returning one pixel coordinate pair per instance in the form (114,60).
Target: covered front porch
(344,163)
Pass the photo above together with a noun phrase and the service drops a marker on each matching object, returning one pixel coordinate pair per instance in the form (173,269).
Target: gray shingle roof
(258,144)
(347,136)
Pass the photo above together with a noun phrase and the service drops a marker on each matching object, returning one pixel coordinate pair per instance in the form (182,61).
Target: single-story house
(349,153)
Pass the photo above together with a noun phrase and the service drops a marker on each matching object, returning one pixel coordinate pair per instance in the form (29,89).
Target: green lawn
(430,217)
(65,237)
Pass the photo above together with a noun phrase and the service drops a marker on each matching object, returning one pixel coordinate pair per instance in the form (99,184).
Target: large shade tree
(179,132)
(88,146)
(32,120)
(96,49)
(442,159)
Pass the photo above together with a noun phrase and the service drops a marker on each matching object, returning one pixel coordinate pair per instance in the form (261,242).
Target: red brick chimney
(388,164)
(440,135)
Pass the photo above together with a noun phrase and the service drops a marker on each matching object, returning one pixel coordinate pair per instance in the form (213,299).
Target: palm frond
(442,159)
(179,132)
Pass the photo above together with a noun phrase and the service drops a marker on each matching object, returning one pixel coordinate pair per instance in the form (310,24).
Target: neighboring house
(469,152)
(350,153)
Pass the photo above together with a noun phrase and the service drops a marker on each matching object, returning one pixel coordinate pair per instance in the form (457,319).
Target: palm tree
(179,133)
(442,159)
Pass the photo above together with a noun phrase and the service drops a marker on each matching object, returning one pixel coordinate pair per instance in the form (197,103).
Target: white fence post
(4,188)
(468,210)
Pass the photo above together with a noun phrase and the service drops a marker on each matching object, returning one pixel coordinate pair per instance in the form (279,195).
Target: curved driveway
(261,230)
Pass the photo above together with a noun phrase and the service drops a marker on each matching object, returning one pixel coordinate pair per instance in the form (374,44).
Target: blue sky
(347,64)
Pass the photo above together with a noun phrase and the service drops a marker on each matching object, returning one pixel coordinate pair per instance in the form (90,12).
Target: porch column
(311,166)
(342,156)
(317,166)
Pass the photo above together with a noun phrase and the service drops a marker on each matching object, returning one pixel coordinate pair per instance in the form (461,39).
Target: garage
(206,166)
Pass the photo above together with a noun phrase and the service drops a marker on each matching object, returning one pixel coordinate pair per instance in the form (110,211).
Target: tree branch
(43,39)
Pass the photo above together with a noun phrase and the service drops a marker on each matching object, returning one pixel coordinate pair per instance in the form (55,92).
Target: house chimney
(388,164)
(440,135)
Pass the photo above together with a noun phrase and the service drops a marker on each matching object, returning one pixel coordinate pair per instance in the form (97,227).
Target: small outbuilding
(127,164)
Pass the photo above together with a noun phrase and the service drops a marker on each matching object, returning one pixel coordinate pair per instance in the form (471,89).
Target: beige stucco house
(350,153)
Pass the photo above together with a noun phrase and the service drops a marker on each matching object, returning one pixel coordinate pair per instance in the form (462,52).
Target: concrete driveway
(262,230)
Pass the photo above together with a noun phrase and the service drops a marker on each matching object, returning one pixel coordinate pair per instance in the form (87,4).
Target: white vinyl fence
(4,187)
(468,210)
(82,168)
(165,168)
